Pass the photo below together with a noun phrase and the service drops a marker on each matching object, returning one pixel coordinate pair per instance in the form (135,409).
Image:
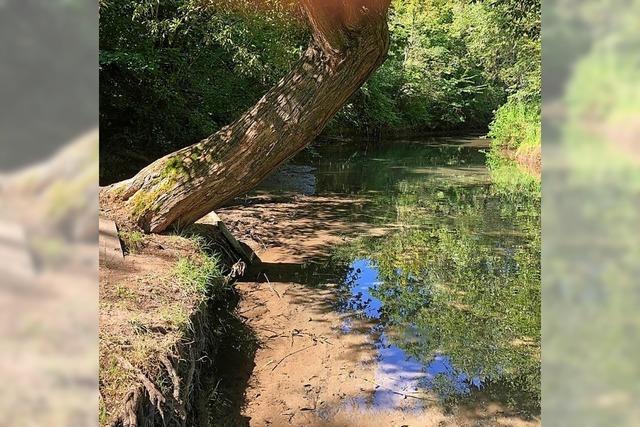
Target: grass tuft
(199,274)
(133,240)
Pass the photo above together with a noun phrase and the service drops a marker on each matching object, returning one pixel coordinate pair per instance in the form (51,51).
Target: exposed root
(178,403)
(129,417)
(155,396)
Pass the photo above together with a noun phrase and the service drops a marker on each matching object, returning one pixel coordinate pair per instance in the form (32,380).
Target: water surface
(452,286)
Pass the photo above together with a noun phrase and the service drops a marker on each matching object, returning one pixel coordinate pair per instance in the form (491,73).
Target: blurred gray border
(48,212)
(591,189)
(48,77)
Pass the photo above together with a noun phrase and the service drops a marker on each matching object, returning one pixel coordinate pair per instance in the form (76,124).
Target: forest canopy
(174,71)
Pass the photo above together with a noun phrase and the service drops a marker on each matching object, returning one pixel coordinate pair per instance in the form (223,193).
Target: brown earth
(157,334)
(306,370)
(530,160)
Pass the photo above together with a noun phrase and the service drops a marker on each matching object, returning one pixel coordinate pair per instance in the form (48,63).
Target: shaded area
(423,272)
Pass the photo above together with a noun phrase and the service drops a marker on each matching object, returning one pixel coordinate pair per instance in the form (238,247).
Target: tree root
(156,397)
(178,403)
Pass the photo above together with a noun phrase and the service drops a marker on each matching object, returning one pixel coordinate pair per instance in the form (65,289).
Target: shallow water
(452,286)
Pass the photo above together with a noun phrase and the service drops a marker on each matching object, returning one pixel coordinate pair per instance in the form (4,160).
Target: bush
(517,126)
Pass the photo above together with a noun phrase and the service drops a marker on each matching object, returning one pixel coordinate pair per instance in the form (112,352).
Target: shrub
(517,125)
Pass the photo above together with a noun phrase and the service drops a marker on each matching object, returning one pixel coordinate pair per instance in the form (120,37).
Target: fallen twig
(291,354)
(399,393)
(271,287)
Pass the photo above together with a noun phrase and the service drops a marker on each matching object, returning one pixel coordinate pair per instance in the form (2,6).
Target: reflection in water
(453,287)
(397,371)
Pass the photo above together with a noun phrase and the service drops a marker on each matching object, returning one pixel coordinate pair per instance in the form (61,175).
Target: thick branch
(335,22)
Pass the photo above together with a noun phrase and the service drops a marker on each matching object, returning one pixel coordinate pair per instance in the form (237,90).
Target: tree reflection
(460,277)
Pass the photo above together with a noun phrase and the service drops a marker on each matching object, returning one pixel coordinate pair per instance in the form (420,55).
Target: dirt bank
(529,160)
(309,368)
(162,321)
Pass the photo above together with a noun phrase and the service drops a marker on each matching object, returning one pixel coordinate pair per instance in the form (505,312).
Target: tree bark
(350,41)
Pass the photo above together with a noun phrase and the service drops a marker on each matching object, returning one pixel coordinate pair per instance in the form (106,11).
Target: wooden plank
(245,252)
(109,242)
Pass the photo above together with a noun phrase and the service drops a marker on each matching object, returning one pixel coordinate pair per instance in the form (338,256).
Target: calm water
(453,287)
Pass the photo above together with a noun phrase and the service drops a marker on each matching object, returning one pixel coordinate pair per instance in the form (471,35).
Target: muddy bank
(164,314)
(528,160)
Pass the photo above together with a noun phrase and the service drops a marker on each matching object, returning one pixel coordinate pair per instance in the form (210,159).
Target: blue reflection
(362,280)
(397,371)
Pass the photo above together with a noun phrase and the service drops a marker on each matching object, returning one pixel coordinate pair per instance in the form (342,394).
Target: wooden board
(243,250)
(109,242)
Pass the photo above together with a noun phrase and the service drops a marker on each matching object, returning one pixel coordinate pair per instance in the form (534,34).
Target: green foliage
(450,65)
(461,278)
(517,125)
(174,71)
(198,274)
(201,272)
(516,134)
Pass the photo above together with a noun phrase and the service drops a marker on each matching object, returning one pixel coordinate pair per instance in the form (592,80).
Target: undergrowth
(201,272)
(516,126)
(198,273)
(516,134)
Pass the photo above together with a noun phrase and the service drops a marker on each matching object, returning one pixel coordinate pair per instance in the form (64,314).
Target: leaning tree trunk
(350,41)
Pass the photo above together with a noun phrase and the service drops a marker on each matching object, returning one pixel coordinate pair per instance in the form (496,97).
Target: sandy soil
(146,316)
(307,371)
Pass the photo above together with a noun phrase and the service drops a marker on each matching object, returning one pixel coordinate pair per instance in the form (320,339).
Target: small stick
(271,287)
(291,354)
(397,392)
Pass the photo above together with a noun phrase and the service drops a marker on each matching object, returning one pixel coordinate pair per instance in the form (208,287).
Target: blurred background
(48,212)
(591,160)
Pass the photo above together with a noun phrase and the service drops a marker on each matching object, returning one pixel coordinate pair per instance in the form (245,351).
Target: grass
(114,381)
(123,292)
(133,240)
(175,316)
(149,312)
(198,274)
(201,272)
(517,126)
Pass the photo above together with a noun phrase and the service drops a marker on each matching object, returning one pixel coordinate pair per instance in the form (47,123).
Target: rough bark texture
(350,41)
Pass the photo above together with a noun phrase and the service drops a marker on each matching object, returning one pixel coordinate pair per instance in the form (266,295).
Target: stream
(425,256)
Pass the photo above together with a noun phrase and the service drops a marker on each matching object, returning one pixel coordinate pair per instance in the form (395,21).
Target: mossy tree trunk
(350,41)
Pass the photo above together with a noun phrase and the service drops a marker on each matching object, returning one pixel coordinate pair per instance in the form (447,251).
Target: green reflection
(460,276)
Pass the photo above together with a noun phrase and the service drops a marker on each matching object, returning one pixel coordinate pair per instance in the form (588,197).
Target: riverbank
(347,319)
(163,314)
